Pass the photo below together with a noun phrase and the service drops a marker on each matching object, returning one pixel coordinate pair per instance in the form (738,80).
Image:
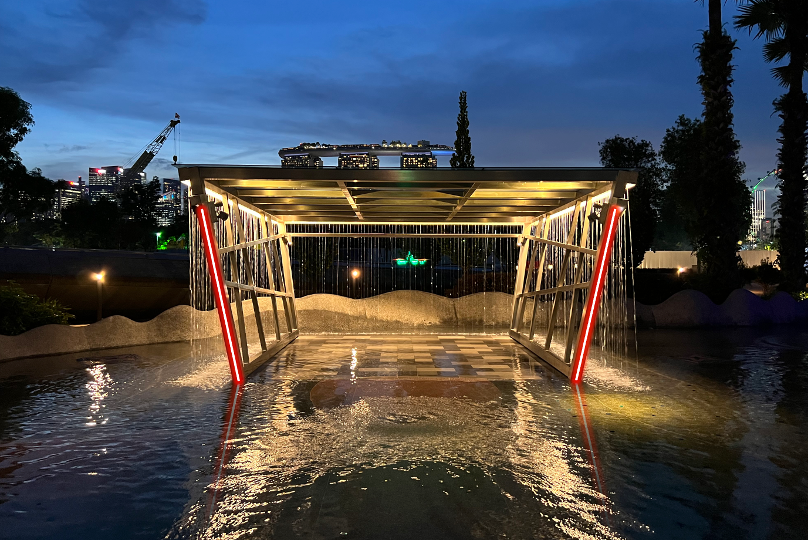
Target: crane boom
(131,175)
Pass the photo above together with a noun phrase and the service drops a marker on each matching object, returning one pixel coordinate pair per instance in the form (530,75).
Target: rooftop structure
(481,195)
(309,155)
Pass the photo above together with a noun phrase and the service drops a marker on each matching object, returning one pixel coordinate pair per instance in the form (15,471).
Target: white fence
(686,259)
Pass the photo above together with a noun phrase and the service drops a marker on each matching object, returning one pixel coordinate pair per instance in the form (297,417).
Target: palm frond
(763,16)
(776,50)
(780,74)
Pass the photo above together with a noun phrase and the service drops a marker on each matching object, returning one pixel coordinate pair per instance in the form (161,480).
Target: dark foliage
(784,25)
(23,193)
(646,197)
(722,201)
(462,157)
(91,225)
(20,312)
(15,122)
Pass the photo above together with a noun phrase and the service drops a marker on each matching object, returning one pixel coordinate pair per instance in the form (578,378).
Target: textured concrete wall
(399,311)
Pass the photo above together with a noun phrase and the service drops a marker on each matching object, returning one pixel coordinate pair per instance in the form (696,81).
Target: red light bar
(593,301)
(222,302)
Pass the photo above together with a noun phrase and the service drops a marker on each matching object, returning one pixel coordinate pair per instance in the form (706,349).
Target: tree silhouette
(462,157)
(721,198)
(784,25)
(646,197)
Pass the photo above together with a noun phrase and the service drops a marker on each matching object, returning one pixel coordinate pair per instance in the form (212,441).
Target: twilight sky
(546,80)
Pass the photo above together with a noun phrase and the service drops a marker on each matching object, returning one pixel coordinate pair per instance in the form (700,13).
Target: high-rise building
(65,196)
(301,161)
(128,180)
(418,160)
(172,201)
(104,182)
(358,160)
(758,214)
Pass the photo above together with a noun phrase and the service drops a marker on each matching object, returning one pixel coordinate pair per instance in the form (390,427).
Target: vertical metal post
(288,285)
(222,301)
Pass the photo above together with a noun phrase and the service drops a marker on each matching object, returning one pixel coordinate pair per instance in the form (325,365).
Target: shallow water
(706,442)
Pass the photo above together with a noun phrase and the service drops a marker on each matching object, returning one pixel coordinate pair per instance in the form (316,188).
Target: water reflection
(485,463)
(97,389)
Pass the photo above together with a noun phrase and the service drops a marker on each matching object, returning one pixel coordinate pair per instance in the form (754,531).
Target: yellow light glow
(99,276)
(681,269)
(354,273)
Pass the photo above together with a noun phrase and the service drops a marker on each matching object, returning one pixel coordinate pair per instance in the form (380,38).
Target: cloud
(53,42)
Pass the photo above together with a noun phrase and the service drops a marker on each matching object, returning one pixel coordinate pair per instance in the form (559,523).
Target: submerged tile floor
(417,355)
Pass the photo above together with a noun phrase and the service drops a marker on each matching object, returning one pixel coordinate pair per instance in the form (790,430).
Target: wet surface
(702,436)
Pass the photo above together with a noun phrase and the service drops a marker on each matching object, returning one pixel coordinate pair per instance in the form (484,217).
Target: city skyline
(542,91)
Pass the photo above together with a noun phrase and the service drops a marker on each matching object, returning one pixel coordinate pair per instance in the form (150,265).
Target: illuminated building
(104,182)
(172,201)
(364,156)
(127,181)
(358,160)
(418,160)
(758,214)
(301,161)
(65,196)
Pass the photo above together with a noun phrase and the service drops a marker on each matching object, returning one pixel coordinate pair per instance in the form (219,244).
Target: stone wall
(394,312)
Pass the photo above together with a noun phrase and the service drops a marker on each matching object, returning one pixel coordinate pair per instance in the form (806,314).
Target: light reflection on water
(510,466)
(709,444)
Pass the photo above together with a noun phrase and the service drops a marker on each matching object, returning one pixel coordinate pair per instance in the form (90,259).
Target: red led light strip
(222,302)
(593,302)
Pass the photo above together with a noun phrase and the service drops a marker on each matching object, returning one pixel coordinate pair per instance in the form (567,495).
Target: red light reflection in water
(590,445)
(228,430)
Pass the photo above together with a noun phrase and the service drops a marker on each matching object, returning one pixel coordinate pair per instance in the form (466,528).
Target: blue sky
(546,80)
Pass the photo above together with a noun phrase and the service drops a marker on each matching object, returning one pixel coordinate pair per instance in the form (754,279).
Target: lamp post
(354,275)
(158,240)
(99,279)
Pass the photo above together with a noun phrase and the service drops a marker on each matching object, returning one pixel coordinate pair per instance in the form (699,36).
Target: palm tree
(722,199)
(784,25)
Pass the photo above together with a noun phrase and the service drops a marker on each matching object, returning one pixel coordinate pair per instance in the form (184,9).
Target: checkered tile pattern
(313,357)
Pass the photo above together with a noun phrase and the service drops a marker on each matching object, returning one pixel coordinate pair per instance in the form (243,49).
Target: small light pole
(158,239)
(99,279)
(354,276)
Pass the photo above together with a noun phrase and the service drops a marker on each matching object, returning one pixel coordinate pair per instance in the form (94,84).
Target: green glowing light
(411,260)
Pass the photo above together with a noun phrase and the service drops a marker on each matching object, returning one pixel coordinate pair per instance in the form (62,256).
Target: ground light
(99,279)
(158,240)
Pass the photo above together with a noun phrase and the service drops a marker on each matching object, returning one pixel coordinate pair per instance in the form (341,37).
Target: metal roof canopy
(442,195)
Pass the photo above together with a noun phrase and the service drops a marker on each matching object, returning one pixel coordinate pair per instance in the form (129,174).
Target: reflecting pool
(701,435)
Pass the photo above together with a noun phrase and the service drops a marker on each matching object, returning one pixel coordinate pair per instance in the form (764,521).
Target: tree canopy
(645,198)
(15,122)
(462,157)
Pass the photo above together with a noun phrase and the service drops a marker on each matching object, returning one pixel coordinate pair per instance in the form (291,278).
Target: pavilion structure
(569,219)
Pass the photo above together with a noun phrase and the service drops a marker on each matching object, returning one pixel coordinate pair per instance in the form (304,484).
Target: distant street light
(158,240)
(99,278)
(354,273)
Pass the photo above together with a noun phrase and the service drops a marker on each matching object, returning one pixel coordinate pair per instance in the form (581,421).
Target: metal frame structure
(588,200)
(268,244)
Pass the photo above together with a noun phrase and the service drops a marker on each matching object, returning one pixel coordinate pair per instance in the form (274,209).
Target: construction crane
(132,174)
